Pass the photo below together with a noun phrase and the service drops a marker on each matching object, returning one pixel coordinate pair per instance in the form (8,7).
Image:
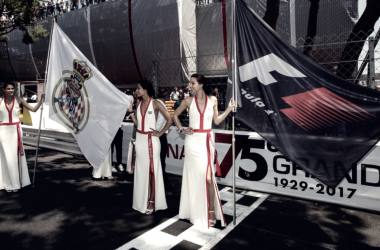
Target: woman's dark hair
(5,84)
(148,86)
(201,79)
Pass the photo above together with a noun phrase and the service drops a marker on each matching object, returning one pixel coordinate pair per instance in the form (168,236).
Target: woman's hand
(188,131)
(231,104)
(154,132)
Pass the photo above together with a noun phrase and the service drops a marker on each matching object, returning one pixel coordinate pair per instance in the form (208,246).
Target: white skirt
(11,178)
(141,175)
(105,169)
(194,196)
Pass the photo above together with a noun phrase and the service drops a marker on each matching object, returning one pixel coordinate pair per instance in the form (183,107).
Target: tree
(20,14)
(363,28)
(311,27)
(272,12)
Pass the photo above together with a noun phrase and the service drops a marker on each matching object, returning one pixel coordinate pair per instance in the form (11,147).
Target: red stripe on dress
(151,162)
(151,168)
(207,208)
(220,205)
(208,131)
(212,177)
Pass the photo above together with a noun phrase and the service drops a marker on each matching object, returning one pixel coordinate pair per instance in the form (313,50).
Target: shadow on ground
(288,223)
(68,210)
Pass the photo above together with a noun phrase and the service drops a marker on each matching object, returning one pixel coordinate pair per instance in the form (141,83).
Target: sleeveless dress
(13,167)
(199,158)
(147,160)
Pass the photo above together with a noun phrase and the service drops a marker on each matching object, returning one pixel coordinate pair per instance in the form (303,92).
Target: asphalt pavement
(67,209)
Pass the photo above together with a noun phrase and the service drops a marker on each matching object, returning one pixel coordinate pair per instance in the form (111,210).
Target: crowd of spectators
(177,94)
(204,2)
(48,9)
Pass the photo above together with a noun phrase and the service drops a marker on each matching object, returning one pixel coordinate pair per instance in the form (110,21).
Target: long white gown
(13,167)
(147,159)
(105,169)
(199,158)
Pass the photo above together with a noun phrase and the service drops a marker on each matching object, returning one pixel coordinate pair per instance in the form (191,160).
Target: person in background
(63,7)
(186,93)
(25,97)
(160,124)
(117,143)
(34,97)
(58,8)
(36,11)
(45,10)
(53,9)
(178,102)
(105,169)
(48,10)
(131,148)
(174,94)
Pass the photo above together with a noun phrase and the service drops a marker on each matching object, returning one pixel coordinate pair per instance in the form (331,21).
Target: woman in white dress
(148,186)
(13,167)
(105,169)
(200,201)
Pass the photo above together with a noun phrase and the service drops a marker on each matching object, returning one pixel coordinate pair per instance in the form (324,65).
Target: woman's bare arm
(184,105)
(30,107)
(219,118)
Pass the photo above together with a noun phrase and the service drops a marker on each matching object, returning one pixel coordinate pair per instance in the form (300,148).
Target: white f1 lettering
(261,67)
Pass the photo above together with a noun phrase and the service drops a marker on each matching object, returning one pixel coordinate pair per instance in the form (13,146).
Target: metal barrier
(56,140)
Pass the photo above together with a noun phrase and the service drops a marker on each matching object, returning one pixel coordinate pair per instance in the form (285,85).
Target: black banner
(319,121)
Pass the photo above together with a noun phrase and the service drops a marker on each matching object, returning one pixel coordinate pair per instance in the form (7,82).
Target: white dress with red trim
(199,158)
(147,160)
(105,169)
(13,167)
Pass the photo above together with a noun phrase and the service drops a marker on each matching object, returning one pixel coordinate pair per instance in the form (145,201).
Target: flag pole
(42,106)
(234,78)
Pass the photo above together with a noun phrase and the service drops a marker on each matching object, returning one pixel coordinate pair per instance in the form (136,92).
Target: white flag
(82,99)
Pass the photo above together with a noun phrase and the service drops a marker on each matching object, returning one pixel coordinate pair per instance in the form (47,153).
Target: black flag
(317,120)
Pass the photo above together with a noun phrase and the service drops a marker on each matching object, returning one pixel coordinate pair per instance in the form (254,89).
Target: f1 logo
(261,68)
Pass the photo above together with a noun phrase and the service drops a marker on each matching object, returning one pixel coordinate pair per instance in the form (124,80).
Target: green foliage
(19,14)
(36,30)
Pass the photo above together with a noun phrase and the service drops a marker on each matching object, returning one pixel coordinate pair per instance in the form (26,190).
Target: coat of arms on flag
(69,97)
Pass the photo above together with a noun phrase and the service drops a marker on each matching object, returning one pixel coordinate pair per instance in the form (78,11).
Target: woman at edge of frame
(14,173)
(148,186)
(200,201)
